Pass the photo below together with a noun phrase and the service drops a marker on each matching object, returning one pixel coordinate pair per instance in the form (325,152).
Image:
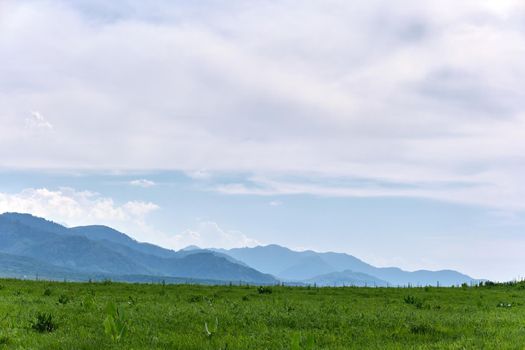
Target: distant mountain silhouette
(104,233)
(346,278)
(103,251)
(307,266)
(24,267)
(21,266)
(31,246)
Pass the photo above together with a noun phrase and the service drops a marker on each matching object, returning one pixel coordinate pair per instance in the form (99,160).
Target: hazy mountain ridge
(346,278)
(29,244)
(305,266)
(104,251)
(13,266)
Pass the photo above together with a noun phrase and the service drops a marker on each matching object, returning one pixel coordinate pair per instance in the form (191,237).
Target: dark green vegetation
(52,315)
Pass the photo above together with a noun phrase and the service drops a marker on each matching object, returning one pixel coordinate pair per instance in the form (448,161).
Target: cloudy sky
(394,131)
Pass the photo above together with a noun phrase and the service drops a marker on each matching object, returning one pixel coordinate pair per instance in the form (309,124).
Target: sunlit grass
(51,315)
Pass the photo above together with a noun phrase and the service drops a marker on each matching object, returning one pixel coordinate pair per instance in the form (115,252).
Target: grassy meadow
(54,315)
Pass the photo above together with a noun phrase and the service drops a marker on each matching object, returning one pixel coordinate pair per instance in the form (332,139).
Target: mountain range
(314,267)
(33,247)
(37,246)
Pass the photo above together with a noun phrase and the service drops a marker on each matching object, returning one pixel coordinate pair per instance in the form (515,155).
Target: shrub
(47,292)
(264,290)
(44,323)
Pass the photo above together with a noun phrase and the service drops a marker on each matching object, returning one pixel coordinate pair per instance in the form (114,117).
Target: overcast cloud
(420,98)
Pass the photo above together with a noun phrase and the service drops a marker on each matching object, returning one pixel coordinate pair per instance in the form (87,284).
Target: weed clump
(504,304)
(63,299)
(411,300)
(88,302)
(44,323)
(4,340)
(196,298)
(264,290)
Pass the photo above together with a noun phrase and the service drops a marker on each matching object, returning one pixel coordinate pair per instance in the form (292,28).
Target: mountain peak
(190,247)
(33,221)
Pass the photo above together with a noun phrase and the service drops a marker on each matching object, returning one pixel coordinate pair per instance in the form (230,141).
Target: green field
(52,315)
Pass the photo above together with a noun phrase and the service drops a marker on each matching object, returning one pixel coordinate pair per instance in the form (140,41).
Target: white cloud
(37,121)
(74,208)
(209,234)
(500,195)
(412,93)
(71,207)
(142,183)
(199,174)
(275,203)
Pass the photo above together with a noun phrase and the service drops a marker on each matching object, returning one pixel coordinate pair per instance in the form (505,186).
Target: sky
(393,131)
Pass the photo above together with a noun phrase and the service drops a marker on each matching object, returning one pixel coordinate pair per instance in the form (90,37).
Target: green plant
(115,323)
(297,342)
(88,302)
(44,323)
(264,290)
(63,299)
(4,340)
(504,304)
(47,292)
(411,300)
(209,331)
(196,298)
